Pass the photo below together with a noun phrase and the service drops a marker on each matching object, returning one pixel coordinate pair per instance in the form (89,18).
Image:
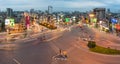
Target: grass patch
(104,50)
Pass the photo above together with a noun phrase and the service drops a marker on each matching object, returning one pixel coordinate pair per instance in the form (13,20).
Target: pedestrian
(60,51)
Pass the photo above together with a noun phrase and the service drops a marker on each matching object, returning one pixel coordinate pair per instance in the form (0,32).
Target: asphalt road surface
(42,52)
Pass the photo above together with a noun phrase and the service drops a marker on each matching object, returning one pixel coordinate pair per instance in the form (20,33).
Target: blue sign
(114,20)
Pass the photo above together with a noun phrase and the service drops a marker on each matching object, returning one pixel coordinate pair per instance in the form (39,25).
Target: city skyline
(59,5)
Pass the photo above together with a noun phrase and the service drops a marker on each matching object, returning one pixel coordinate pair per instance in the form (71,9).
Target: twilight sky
(59,5)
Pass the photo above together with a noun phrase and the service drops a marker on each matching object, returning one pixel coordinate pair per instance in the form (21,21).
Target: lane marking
(42,34)
(53,46)
(16,61)
(53,38)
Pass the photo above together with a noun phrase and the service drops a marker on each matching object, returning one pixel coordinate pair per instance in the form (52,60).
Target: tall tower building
(32,10)
(108,10)
(9,12)
(50,9)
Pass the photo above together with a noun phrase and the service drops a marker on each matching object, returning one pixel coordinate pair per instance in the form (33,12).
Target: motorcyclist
(64,53)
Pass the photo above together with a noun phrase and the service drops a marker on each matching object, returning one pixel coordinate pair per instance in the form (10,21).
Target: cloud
(110,2)
(85,4)
(57,4)
(23,4)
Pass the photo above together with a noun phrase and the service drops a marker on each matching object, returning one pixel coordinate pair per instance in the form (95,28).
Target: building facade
(50,8)
(9,12)
(100,13)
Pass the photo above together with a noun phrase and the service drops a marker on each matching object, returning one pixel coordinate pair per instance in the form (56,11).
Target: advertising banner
(7,21)
(114,21)
(67,19)
(12,22)
(93,20)
(118,26)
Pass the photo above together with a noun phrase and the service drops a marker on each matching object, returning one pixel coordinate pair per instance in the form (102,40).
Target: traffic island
(99,49)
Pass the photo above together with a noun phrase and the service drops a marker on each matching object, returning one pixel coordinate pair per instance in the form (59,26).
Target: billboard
(113,20)
(67,19)
(12,22)
(7,21)
(94,20)
(118,26)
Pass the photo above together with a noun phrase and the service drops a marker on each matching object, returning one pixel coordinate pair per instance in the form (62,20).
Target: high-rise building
(9,12)
(100,13)
(50,9)
(108,10)
(32,10)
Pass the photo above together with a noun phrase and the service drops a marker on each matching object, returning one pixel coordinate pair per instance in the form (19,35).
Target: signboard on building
(118,26)
(113,20)
(94,20)
(67,19)
(7,21)
(12,22)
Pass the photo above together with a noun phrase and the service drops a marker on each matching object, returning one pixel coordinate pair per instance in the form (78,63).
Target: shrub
(91,44)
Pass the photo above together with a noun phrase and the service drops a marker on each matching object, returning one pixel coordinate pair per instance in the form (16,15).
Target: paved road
(41,52)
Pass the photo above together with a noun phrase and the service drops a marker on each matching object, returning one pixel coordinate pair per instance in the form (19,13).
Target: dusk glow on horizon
(59,5)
